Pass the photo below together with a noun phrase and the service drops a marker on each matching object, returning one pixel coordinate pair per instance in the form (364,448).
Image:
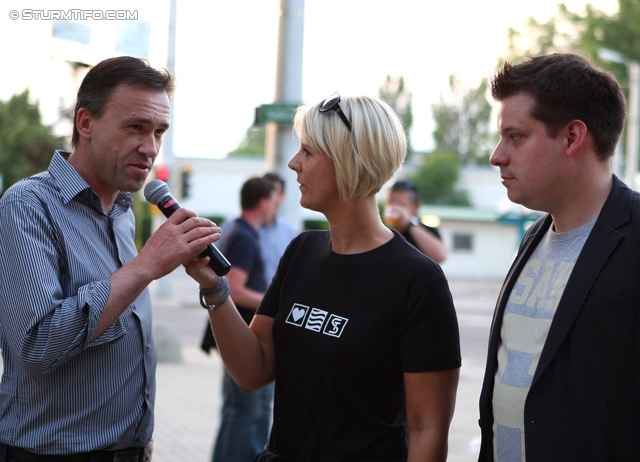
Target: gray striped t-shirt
(527,319)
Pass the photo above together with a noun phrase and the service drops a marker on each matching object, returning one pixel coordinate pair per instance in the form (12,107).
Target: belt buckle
(132,455)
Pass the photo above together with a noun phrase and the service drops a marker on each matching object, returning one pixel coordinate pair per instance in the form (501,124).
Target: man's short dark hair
(406,186)
(101,81)
(273,177)
(253,191)
(567,87)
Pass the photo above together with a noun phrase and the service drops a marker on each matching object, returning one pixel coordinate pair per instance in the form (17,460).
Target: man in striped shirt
(75,314)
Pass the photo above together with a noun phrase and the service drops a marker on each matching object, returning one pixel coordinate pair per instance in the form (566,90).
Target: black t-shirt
(410,240)
(346,329)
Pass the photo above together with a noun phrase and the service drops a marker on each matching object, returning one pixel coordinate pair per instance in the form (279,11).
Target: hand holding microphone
(157,192)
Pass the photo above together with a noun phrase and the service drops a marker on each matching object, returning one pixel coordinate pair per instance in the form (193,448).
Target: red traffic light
(162,172)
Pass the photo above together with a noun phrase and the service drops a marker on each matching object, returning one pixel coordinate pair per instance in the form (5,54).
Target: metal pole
(281,144)
(167,143)
(631,158)
(633,124)
(164,288)
(617,165)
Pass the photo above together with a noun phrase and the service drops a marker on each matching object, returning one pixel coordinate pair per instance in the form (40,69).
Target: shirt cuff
(93,298)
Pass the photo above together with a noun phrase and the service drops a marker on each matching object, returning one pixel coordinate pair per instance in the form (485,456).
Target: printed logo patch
(335,326)
(316,320)
(297,314)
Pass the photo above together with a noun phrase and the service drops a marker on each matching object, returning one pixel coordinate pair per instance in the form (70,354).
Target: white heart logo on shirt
(298,313)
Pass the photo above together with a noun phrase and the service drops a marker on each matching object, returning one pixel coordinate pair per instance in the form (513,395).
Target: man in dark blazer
(562,381)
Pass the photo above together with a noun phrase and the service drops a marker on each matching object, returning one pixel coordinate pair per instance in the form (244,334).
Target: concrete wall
(494,247)
(483,184)
(216,183)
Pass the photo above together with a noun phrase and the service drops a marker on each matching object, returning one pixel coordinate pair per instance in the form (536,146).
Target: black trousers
(13,454)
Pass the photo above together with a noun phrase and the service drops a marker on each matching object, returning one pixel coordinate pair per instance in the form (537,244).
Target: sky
(226,55)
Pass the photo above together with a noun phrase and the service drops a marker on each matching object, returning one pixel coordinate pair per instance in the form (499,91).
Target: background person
(245,418)
(353,314)
(401,212)
(276,235)
(75,313)
(563,366)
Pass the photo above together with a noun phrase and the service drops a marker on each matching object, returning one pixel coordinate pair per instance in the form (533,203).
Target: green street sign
(278,113)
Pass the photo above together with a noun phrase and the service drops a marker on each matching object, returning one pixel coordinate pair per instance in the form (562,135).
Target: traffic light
(186,181)
(162,172)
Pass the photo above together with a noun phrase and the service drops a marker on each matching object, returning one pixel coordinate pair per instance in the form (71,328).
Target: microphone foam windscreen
(155,190)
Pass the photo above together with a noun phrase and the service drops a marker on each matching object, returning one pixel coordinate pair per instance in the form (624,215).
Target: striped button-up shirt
(62,393)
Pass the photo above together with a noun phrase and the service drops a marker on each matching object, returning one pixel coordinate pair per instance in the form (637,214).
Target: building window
(463,242)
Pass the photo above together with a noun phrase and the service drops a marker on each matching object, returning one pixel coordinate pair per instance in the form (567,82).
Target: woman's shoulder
(312,237)
(409,258)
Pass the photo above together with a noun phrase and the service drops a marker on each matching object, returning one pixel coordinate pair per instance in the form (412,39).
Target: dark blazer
(584,401)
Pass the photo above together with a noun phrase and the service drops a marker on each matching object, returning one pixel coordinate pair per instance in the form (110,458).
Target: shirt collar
(71,183)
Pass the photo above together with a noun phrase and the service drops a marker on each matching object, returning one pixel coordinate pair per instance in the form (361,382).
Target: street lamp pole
(633,119)
(633,124)
(281,145)
(165,288)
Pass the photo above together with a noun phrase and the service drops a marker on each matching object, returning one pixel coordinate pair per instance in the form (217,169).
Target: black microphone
(157,193)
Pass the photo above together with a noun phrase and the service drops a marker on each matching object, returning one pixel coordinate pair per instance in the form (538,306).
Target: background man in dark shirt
(401,208)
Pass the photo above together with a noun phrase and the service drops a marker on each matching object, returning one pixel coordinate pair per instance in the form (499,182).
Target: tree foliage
(437,177)
(559,34)
(26,145)
(253,144)
(583,32)
(619,32)
(462,122)
(398,97)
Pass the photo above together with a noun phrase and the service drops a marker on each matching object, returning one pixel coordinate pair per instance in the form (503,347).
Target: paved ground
(188,388)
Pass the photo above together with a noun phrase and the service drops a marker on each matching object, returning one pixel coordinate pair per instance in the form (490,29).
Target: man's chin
(515,198)
(133,186)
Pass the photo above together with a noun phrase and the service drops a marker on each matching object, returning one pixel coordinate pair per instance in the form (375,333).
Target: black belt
(123,455)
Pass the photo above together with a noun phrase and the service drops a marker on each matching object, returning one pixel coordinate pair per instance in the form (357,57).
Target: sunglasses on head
(333,103)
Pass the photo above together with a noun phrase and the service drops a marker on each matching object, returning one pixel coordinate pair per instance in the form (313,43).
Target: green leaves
(462,122)
(437,177)
(398,97)
(26,146)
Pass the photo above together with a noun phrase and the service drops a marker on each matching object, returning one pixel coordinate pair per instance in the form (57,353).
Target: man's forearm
(126,285)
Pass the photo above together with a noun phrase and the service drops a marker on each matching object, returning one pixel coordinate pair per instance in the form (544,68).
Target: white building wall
(483,184)
(493,249)
(216,184)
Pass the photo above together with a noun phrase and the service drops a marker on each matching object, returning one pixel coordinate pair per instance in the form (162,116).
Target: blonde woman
(358,328)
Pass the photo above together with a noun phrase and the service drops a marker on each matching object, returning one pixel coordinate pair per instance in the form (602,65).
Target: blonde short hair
(364,159)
